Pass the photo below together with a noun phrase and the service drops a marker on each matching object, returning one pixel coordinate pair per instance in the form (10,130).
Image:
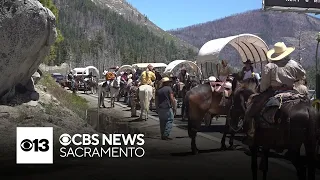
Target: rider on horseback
(110,76)
(278,75)
(183,76)
(147,77)
(223,71)
(249,71)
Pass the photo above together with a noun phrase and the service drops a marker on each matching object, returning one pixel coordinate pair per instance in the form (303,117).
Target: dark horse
(293,122)
(241,91)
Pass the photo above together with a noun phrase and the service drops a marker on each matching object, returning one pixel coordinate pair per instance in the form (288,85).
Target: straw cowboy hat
(163,80)
(248,62)
(279,51)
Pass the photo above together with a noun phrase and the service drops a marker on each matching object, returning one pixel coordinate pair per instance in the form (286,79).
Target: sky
(172,14)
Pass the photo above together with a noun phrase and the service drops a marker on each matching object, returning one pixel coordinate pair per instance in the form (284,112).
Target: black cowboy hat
(248,62)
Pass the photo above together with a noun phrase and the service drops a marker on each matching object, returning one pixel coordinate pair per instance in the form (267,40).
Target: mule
(145,95)
(92,85)
(113,88)
(200,100)
(241,91)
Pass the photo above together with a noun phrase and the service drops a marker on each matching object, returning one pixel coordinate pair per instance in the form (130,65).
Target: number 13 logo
(38,145)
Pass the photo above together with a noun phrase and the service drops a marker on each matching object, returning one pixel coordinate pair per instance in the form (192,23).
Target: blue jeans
(166,119)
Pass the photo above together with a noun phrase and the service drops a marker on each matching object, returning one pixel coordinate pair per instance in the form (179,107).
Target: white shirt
(248,74)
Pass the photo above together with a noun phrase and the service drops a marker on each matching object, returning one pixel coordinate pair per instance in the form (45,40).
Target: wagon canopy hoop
(173,67)
(248,46)
(125,68)
(94,68)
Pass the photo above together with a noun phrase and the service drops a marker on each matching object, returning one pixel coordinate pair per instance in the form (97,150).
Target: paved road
(221,165)
(163,160)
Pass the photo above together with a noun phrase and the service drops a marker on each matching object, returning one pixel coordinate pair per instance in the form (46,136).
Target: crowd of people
(280,74)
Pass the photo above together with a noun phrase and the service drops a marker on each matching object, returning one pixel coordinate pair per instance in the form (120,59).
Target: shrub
(71,101)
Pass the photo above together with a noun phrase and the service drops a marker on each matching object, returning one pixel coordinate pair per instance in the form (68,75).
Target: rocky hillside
(270,26)
(104,33)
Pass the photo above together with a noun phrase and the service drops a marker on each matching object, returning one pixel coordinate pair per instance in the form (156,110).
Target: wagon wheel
(207,119)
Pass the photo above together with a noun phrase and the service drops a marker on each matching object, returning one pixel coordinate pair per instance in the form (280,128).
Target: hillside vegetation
(99,36)
(271,26)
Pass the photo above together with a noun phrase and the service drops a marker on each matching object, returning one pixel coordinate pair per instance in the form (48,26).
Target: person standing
(133,98)
(223,71)
(166,107)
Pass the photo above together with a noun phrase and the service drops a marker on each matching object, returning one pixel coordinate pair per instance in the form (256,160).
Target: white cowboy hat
(165,79)
(280,50)
(212,79)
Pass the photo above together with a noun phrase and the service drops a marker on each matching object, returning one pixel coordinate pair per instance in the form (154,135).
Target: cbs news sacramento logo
(35,145)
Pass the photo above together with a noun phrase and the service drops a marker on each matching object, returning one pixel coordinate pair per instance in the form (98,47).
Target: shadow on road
(200,152)
(136,120)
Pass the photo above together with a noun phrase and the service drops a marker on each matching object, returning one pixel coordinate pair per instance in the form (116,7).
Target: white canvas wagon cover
(173,67)
(248,46)
(125,68)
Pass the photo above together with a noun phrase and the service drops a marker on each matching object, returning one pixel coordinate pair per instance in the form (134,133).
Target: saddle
(222,87)
(274,121)
(280,102)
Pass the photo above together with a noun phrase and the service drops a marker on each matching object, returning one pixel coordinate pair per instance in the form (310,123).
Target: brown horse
(201,100)
(241,91)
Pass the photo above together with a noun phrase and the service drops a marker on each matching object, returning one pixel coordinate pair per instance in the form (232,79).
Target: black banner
(293,3)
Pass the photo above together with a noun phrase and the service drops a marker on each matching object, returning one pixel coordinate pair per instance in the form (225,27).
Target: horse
(145,96)
(294,123)
(113,88)
(225,90)
(283,124)
(190,84)
(200,100)
(241,91)
(92,85)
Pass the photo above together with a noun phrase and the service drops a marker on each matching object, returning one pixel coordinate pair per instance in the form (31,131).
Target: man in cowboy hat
(166,107)
(278,75)
(249,71)
(183,76)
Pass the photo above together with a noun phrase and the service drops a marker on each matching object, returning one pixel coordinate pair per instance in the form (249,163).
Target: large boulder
(27,30)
